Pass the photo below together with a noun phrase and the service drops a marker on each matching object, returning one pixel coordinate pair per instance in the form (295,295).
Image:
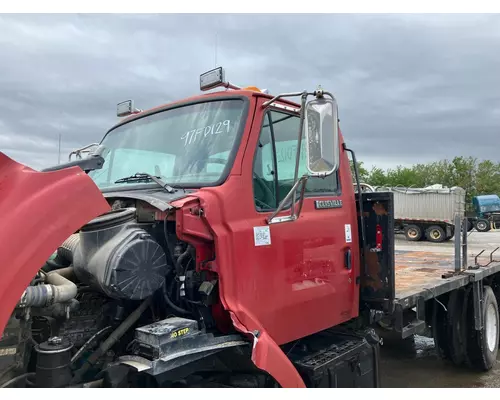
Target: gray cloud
(411,88)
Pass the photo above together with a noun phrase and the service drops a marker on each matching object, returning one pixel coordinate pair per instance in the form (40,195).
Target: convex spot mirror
(322,136)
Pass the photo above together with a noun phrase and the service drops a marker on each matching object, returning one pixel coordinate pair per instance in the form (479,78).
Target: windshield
(186,146)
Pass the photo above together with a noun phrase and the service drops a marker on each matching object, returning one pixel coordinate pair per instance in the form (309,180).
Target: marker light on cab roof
(126,108)
(212,79)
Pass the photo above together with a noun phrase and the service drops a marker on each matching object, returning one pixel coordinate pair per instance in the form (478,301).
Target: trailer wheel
(435,234)
(440,329)
(482,345)
(413,233)
(483,225)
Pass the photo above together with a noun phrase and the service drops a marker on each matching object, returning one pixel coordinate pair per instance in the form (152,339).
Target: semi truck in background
(485,213)
(219,241)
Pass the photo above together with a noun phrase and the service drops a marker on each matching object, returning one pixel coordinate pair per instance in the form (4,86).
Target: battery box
(331,359)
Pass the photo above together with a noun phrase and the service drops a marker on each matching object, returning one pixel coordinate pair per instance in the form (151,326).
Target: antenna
(215,53)
(59,152)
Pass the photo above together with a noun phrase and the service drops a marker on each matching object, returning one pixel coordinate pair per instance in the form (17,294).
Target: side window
(275,161)
(264,183)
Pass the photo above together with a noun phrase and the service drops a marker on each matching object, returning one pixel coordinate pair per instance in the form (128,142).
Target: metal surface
(360,208)
(273,219)
(176,353)
(377,279)
(458,244)
(421,274)
(293,94)
(427,204)
(465,236)
(428,275)
(90,163)
(299,146)
(41,209)
(85,149)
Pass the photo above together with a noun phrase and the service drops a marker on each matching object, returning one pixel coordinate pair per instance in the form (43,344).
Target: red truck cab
(257,190)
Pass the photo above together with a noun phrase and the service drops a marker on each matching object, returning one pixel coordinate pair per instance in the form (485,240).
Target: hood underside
(39,210)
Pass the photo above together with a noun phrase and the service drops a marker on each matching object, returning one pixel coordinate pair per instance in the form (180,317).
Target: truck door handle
(347,259)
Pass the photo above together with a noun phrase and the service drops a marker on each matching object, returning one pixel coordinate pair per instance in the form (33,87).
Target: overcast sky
(411,88)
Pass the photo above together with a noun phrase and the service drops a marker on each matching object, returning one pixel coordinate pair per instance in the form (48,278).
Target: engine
(119,293)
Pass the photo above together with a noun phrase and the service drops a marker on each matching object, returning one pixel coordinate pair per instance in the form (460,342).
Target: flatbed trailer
(450,297)
(424,276)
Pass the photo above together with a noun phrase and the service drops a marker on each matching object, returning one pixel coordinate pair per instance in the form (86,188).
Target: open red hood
(38,211)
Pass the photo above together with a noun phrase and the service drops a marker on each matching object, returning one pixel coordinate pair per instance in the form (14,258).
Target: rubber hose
(16,379)
(111,340)
(171,303)
(180,259)
(68,248)
(58,289)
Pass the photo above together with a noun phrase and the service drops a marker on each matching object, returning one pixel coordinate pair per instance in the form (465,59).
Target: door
(300,276)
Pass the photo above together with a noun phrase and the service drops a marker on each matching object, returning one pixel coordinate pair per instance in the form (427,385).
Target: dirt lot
(416,365)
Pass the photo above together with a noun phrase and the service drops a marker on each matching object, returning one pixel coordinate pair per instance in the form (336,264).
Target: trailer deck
(426,275)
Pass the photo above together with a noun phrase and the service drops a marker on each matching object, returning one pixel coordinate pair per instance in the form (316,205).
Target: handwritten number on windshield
(192,136)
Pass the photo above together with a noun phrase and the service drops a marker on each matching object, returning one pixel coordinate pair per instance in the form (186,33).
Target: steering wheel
(265,189)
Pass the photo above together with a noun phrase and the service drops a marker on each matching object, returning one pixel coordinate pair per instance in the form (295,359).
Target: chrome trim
(293,214)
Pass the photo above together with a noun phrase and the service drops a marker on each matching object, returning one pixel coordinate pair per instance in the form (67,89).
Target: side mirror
(319,122)
(89,149)
(322,136)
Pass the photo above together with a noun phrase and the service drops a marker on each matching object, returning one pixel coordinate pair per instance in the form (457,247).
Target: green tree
(377,177)
(476,177)
(362,171)
(487,179)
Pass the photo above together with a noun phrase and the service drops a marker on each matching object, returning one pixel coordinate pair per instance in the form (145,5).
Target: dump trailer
(427,213)
(218,241)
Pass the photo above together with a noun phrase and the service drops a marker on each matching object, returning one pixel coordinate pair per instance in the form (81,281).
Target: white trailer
(427,213)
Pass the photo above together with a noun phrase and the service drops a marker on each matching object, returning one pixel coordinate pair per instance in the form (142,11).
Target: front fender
(38,211)
(268,356)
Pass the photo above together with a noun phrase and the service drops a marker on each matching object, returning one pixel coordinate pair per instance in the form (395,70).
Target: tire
(440,330)
(413,233)
(435,234)
(456,328)
(482,346)
(483,225)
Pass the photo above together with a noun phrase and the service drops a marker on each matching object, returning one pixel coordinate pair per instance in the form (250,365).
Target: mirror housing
(319,123)
(322,136)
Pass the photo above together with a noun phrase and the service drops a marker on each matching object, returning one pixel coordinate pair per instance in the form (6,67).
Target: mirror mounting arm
(295,214)
(294,94)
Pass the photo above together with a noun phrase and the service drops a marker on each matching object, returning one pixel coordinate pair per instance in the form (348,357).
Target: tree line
(477,177)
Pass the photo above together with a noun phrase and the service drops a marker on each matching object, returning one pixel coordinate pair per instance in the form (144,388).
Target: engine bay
(124,302)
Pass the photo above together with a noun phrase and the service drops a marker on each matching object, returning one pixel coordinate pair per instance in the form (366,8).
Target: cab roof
(201,97)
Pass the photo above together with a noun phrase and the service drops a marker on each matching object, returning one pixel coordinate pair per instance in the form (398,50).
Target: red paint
(39,211)
(298,285)
(292,288)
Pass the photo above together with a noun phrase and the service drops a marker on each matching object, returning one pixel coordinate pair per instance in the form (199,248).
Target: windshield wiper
(144,177)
